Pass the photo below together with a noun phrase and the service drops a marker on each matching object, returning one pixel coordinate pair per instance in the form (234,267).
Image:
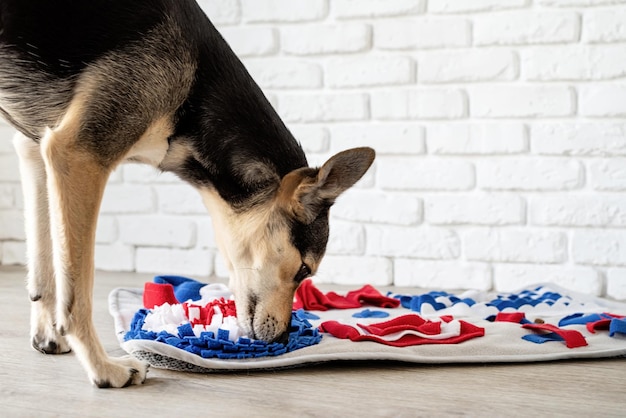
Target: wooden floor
(36,385)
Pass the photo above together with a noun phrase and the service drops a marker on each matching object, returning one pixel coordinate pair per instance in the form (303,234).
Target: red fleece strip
(402,323)
(573,339)
(311,298)
(602,324)
(156,294)
(226,307)
(516,317)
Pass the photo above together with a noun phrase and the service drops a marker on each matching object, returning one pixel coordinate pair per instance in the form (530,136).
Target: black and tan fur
(91,84)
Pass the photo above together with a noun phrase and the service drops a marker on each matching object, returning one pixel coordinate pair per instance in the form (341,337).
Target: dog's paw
(120,373)
(50,345)
(44,336)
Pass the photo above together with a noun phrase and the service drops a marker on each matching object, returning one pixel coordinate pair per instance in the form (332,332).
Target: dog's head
(272,247)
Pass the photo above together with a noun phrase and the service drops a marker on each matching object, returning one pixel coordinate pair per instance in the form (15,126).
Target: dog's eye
(303,273)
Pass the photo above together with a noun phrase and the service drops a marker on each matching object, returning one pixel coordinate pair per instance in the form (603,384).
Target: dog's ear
(305,192)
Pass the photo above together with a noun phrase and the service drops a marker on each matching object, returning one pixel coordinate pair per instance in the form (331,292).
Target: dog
(92,84)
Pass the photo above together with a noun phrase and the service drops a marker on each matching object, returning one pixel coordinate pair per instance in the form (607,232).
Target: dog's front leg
(41,287)
(76,182)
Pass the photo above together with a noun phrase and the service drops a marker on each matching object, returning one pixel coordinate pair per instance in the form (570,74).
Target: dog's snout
(282,338)
(271,331)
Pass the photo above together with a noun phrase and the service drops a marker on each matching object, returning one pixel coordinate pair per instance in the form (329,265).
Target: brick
(348,9)
(366,71)
(284,73)
(588,210)
(205,234)
(115,257)
(328,107)
(530,174)
(6,134)
(404,173)
(251,41)
(474,210)
(13,253)
(127,199)
(566,138)
(174,261)
(604,25)
(477,138)
(325,39)
(221,12)
(9,168)
(441,274)
(12,225)
(7,196)
(512,277)
(414,242)
(600,62)
(578,3)
(599,247)
(616,283)
(312,138)
(107,230)
(19,198)
(146,174)
(283,10)
(378,207)
(220,267)
(608,174)
(180,200)
(419,104)
(346,239)
(522,28)
(467,66)
(355,270)
(517,101)
(422,33)
(117,176)
(438,104)
(602,100)
(390,104)
(460,6)
(157,231)
(515,245)
(387,138)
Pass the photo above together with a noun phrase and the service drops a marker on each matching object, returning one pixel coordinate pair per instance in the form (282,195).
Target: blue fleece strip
(208,345)
(542,338)
(308,315)
(184,287)
(582,319)
(366,313)
(617,326)
(446,300)
(526,297)
(441,300)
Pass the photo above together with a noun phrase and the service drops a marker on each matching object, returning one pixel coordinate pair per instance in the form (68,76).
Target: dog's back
(129,67)
(166,63)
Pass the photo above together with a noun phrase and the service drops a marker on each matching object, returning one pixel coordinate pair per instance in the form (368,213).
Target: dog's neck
(233,139)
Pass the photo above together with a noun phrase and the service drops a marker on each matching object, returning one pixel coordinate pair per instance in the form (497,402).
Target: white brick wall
(499,127)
